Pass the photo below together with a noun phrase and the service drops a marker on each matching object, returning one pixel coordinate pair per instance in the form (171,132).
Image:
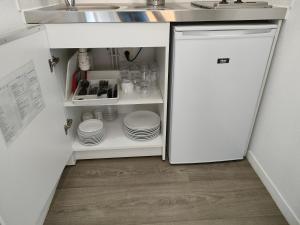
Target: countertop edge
(42,16)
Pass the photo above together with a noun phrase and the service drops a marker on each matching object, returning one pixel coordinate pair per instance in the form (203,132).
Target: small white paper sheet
(21,101)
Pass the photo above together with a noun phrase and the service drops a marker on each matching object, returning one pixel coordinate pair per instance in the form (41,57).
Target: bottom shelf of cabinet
(115,153)
(116,144)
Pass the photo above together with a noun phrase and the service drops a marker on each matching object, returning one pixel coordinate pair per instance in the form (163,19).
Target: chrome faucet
(156,3)
(70,4)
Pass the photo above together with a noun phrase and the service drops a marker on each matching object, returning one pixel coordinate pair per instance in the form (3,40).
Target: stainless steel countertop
(133,13)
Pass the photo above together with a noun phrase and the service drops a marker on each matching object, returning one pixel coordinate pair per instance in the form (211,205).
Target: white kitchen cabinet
(31,165)
(116,144)
(65,39)
(114,35)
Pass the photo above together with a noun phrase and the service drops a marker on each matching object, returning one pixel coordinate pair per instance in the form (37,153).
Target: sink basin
(84,7)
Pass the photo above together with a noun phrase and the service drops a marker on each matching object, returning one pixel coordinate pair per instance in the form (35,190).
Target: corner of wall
(1,221)
(290,7)
(280,201)
(292,3)
(18,5)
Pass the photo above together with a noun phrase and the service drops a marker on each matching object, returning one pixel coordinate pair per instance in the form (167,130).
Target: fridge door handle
(205,34)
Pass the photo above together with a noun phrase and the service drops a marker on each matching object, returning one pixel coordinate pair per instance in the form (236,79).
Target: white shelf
(125,99)
(115,139)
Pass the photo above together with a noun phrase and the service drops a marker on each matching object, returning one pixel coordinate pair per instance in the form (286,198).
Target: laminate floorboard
(149,191)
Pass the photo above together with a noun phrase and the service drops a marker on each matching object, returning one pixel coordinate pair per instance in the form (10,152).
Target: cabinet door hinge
(68,125)
(53,62)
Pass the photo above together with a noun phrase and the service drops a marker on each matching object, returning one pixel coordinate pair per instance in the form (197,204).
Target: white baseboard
(282,204)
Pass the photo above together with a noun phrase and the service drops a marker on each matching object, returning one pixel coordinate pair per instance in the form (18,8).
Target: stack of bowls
(90,132)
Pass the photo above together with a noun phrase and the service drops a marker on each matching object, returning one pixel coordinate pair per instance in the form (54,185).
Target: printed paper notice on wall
(21,101)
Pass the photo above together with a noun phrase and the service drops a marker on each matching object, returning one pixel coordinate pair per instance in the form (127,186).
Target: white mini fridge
(217,77)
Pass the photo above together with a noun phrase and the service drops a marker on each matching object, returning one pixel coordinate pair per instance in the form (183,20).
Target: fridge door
(32,161)
(217,77)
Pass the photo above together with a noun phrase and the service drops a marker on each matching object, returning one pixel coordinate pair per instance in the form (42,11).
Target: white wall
(1,221)
(275,147)
(10,17)
(28,4)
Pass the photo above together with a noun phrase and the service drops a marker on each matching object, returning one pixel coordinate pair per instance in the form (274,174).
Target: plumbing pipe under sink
(70,4)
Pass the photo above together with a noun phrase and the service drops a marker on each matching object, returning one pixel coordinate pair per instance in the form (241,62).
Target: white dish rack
(94,98)
(93,77)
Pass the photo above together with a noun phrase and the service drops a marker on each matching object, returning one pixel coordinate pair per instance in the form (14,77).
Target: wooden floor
(149,191)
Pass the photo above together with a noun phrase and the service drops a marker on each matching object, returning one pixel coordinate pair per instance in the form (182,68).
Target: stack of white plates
(90,132)
(141,125)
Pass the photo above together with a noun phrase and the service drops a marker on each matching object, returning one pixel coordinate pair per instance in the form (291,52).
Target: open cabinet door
(33,146)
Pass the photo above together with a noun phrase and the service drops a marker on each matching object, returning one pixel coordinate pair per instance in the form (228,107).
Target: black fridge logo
(223,60)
